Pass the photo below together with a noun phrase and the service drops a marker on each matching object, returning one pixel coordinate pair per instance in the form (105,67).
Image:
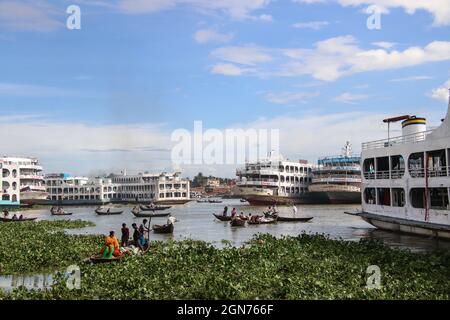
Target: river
(197,222)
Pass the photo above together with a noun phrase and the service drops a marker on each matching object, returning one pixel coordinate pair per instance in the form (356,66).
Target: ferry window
(281,168)
(416,165)
(384,196)
(418,198)
(437,164)
(369,168)
(14,198)
(383,168)
(5,197)
(398,197)
(439,199)
(282,178)
(397,167)
(370,196)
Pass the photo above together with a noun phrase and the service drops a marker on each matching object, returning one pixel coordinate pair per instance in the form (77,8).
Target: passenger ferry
(274,181)
(337,179)
(406,179)
(32,186)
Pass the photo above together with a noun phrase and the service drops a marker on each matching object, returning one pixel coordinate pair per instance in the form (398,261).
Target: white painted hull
(407,226)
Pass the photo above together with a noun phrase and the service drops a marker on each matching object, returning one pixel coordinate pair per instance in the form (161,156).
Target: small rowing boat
(96,258)
(3,219)
(221,217)
(237,223)
(107,212)
(215,201)
(263,221)
(167,228)
(60,212)
(154,208)
(139,214)
(294,219)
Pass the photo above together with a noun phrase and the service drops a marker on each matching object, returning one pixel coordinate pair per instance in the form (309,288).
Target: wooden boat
(237,222)
(60,212)
(202,201)
(155,208)
(215,201)
(167,228)
(271,214)
(243,200)
(267,221)
(3,219)
(139,214)
(96,258)
(222,218)
(107,212)
(294,219)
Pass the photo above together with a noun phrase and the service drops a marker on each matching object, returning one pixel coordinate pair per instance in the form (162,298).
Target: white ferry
(274,181)
(406,179)
(32,186)
(161,188)
(337,179)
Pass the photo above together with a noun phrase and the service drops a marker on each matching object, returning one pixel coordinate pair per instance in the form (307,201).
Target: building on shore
(10,182)
(64,189)
(31,185)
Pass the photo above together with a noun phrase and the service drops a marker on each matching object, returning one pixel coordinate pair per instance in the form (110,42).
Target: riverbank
(302,267)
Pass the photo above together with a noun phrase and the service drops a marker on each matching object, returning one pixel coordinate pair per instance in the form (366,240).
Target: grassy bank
(303,267)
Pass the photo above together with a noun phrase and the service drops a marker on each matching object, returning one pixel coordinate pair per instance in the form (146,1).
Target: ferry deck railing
(385,143)
(435,172)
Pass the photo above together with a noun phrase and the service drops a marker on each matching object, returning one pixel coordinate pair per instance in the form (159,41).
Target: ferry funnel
(414,125)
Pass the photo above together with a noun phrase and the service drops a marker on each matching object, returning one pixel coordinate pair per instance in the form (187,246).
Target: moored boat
(59,212)
(406,179)
(139,214)
(166,228)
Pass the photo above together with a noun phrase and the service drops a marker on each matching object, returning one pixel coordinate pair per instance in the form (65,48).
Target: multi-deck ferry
(337,179)
(406,180)
(274,181)
(32,187)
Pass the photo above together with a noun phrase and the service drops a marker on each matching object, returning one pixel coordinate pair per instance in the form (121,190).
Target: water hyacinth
(302,267)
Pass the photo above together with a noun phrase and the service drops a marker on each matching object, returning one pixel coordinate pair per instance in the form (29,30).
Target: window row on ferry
(435,163)
(293,190)
(438,198)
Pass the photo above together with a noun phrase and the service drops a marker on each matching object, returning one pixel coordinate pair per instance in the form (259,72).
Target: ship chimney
(414,125)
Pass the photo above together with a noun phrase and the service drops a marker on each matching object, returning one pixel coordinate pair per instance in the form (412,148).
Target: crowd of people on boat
(270,213)
(14,217)
(139,241)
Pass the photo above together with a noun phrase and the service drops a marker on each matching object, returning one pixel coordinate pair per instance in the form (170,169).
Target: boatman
(294,209)
(125,236)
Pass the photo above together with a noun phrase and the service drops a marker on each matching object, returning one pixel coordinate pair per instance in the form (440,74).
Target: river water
(197,222)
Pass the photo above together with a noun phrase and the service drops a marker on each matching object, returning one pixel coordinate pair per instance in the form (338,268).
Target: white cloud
(331,58)
(439,9)
(211,35)
(384,44)
(290,97)
(315,25)
(246,55)
(236,9)
(350,98)
(441,93)
(144,6)
(228,69)
(28,15)
(412,78)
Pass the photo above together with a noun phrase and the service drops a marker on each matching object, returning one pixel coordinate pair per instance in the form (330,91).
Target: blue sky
(91,99)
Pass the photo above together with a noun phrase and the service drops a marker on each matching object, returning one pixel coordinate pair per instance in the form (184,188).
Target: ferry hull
(406,226)
(337,197)
(258,200)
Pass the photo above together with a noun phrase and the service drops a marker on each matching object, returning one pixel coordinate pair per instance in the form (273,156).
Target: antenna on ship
(347,150)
